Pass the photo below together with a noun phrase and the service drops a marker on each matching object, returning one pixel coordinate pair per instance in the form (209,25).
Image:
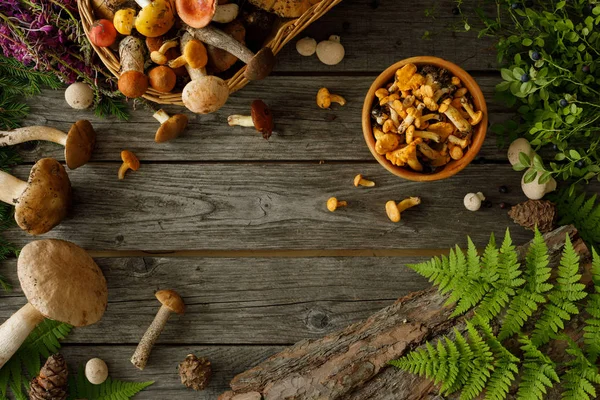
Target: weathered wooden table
(238,225)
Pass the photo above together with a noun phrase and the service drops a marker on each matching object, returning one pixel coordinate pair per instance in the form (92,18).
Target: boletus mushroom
(79,142)
(204,94)
(261,119)
(170,126)
(171,302)
(61,282)
(42,202)
(258,66)
(133,82)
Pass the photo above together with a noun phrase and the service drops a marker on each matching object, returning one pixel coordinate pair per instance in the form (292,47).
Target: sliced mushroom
(43,201)
(258,66)
(79,142)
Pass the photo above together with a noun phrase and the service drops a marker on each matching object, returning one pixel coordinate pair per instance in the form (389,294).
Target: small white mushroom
(535,190)
(331,52)
(79,96)
(96,371)
(517,147)
(473,201)
(225,13)
(307,46)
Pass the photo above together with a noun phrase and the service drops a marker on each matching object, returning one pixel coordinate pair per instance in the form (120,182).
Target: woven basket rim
(288,31)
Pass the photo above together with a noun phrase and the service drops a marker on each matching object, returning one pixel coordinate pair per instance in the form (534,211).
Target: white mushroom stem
(226,13)
(142,353)
(240,120)
(143,3)
(30,133)
(131,53)
(161,116)
(15,330)
(11,188)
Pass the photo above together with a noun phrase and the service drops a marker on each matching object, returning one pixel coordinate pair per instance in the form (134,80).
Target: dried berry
(487,204)
(504,205)
(456,11)
(503,189)
(585,69)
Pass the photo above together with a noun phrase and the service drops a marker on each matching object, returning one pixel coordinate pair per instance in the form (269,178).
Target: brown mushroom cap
(162,78)
(133,84)
(261,65)
(171,300)
(47,198)
(220,60)
(262,118)
(62,282)
(81,140)
(196,13)
(171,128)
(130,159)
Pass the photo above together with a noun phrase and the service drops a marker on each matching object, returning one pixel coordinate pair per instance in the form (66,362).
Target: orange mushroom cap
(196,13)
(133,84)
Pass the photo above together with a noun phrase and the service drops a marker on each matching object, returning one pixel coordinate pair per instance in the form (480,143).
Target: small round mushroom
(325,98)
(79,96)
(306,46)
(359,180)
(472,201)
(194,54)
(225,13)
(331,52)
(130,161)
(132,81)
(43,201)
(124,21)
(155,18)
(96,371)
(162,79)
(517,147)
(171,302)
(261,119)
(394,211)
(204,94)
(103,33)
(333,204)
(170,127)
(79,142)
(535,190)
(258,66)
(61,282)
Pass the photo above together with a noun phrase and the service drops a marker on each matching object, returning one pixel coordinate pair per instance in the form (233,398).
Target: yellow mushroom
(333,204)
(359,180)
(130,161)
(406,155)
(386,143)
(394,211)
(325,98)
(476,117)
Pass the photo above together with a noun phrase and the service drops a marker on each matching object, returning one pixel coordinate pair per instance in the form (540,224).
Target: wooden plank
(378,33)
(239,301)
(275,206)
(227,361)
(303,132)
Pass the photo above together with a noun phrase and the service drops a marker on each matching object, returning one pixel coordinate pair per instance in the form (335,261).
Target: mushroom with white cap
(473,201)
(170,126)
(61,282)
(171,302)
(96,371)
(79,142)
(306,47)
(261,119)
(331,52)
(79,96)
(42,202)
(535,190)
(517,147)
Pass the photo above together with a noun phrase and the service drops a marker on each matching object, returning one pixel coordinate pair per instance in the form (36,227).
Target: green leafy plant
(111,389)
(41,343)
(523,302)
(581,211)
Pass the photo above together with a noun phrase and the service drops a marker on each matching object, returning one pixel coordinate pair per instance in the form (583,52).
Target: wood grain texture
(238,301)
(162,368)
(303,131)
(275,206)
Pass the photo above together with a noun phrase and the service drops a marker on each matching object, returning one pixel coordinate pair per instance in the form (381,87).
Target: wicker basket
(286,32)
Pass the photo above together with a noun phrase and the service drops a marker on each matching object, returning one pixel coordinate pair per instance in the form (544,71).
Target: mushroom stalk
(15,330)
(27,134)
(240,120)
(218,38)
(12,188)
(143,3)
(161,116)
(142,353)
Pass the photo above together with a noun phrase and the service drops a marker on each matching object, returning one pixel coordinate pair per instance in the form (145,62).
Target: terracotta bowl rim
(453,167)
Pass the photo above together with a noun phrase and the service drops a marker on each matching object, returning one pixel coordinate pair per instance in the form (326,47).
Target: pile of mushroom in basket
(184,52)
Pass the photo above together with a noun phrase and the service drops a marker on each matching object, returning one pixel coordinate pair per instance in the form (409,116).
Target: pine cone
(195,372)
(535,212)
(51,383)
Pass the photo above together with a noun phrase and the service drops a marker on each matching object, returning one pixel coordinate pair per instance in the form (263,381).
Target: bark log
(352,363)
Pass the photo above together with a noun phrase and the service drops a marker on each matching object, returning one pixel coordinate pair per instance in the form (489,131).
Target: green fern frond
(581,212)
(591,329)
(580,375)
(527,299)
(41,343)
(538,372)
(562,298)
(111,389)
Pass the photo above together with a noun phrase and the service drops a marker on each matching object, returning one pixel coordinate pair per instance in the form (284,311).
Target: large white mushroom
(79,96)
(517,147)
(535,190)
(331,52)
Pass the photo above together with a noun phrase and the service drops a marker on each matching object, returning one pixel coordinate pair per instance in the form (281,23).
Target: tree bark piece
(352,363)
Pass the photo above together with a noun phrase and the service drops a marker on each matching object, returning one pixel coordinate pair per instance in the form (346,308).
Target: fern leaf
(482,365)
(584,214)
(111,389)
(591,329)
(538,372)
(562,297)
(526,302)
(580,376)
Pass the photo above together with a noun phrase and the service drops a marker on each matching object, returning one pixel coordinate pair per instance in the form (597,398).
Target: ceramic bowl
(454,166)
